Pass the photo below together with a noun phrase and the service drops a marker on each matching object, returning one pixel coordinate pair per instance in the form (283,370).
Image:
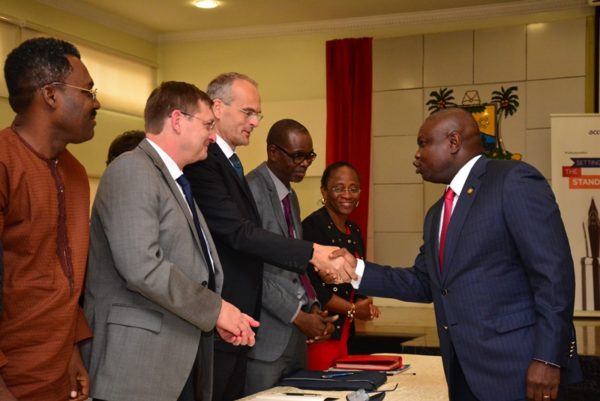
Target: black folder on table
(319,380)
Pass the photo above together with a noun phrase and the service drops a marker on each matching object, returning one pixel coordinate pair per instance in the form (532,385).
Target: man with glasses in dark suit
(230,210)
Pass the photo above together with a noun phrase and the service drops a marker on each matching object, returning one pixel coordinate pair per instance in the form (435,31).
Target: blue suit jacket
(506,291)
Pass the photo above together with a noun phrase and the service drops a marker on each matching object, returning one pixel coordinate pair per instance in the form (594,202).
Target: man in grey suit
(154,275)
(290,314)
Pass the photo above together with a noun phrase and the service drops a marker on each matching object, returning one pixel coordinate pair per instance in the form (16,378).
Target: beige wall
(33,15)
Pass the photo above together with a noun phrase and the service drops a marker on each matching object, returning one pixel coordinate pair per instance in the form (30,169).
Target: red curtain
(349,89)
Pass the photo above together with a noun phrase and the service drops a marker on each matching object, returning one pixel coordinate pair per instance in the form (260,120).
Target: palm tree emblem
(507,103)
(440,100)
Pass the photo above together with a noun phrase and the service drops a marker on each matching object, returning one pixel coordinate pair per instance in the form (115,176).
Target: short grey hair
(220,87)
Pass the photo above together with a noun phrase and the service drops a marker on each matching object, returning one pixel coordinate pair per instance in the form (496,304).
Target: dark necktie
(187,191)
(237,165)
(287,211)
(448,201)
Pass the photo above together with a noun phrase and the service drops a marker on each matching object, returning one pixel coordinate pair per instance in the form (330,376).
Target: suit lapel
(173,186)
(226,164)
(461,211)
(273,198)
(432,230)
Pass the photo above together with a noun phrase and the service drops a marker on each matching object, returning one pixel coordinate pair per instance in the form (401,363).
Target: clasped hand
(316,325)
(334,265)
(234,326)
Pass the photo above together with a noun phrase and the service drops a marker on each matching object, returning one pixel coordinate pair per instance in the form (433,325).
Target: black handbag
(318,380)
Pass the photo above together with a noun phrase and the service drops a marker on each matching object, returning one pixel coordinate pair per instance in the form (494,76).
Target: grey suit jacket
(146,297)
(282,289)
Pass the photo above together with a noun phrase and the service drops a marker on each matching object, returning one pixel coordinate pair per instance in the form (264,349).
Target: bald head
(447,140)
(459,120)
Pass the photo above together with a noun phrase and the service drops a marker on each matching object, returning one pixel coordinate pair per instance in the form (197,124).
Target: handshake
(334,265)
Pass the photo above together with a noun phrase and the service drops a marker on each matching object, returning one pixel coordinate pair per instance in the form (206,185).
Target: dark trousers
(229,374)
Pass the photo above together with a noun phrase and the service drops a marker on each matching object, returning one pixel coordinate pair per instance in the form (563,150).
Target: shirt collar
(458,182)
(173,168)
(282,190)
(224,147)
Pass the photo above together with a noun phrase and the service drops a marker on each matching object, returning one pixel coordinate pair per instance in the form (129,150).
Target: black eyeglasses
(298,158)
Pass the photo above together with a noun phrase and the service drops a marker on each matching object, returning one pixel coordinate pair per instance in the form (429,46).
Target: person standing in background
(125,142)
(340,188)
(44,222)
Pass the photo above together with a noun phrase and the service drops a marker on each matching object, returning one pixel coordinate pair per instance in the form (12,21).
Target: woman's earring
(322,200)
(357,203)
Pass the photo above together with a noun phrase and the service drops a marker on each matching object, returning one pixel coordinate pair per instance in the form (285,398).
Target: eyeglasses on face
(338,189)
(208,125)
(298,158)
(93,92)
(250,113)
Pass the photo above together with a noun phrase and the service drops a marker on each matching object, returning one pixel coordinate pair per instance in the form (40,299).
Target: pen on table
(301,394)
(336,374)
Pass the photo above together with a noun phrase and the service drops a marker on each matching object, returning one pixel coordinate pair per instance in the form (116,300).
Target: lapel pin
(470,190)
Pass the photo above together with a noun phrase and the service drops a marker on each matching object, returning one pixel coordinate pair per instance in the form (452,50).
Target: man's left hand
(78,377)
(542,381)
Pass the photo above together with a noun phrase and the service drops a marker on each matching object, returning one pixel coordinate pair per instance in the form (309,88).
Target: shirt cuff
(300,305)
(359,270)
(546,363)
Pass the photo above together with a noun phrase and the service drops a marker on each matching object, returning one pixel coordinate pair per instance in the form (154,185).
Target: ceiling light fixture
(206,3)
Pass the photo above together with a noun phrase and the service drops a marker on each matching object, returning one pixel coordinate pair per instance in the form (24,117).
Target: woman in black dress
(340,187)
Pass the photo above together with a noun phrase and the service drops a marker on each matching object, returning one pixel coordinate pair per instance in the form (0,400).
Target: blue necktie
(187,191)
(237,165)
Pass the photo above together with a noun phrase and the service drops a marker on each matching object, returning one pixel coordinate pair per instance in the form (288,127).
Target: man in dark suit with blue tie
(226,201)
(496,264)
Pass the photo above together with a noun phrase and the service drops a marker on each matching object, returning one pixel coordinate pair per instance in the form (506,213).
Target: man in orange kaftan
(44,209)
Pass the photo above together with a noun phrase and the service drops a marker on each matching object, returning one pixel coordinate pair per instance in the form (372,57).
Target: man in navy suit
(503,284)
